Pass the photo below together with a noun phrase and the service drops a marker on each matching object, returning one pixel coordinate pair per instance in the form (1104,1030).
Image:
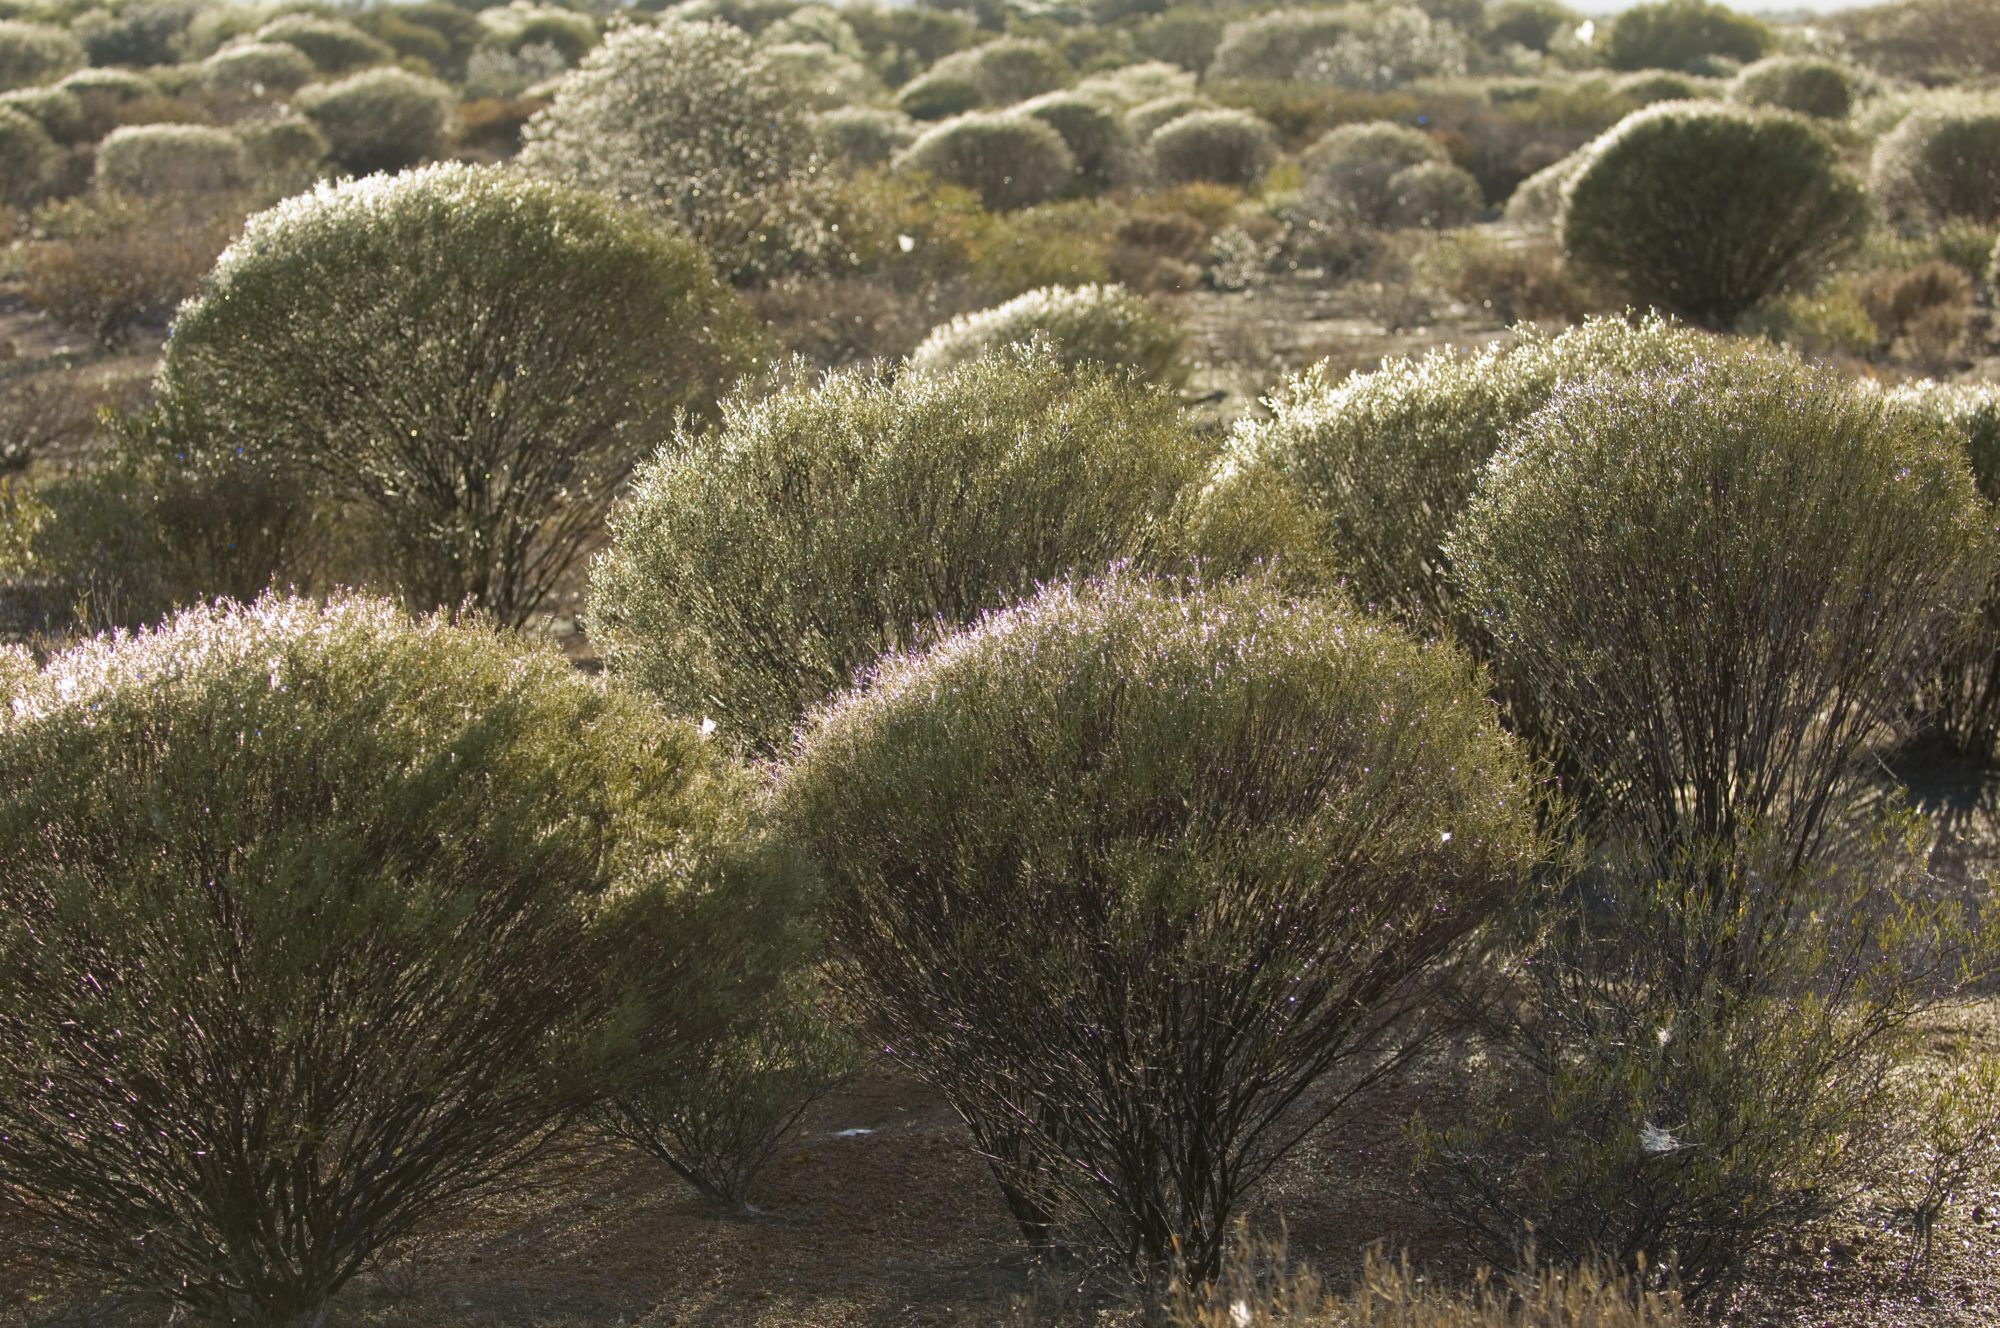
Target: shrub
(59,113)
(1273,45)
(819,24)
(1530,24)
(1941,162)
(462,32)
(112,262)
(1669,565)
(517,27)
(939,96)
(680,119)
(1434,195)
(864,136)
(1010,161)
(1186,35)
(470,360)
(1222,146)
(145,160)
(334,46)
(1931,41)
(455,876)
(380,119)
(106,95)
(1896,301)
(1055,244)
(34,53)
(1348,169)
(1687,35)
(1386,461)
(254,68)
(1819,88)
(1103,148)
(283,152)
(1149,116)
(1536,203)
(1052,837)
(1135,85)
(1511,280)
(1399,45)
(1102,325)
(824,78)
(1659,208)
(1006,70)
(140,35)
(1646,86)
(735,583)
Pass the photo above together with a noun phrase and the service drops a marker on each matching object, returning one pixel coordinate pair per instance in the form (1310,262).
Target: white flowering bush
(1103,325)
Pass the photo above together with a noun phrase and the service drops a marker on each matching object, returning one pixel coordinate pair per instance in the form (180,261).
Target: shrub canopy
(1220,146)
(171,159)
(1942,161)
(381,119)
(1686,35)
(1818,88)
(35,53)
(1011,161)
(1103,325)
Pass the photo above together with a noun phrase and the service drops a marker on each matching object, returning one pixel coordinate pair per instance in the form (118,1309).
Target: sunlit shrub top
(1103,325)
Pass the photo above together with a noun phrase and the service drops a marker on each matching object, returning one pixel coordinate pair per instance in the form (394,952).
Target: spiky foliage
(1103,325)
(1128,869)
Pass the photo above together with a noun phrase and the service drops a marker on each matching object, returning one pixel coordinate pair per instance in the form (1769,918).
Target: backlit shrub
(1105,152)
(1688,35)
(1399,44)
(1941,162)
(468,361)
(144,160)
(824,77)
(457,880)
(1103,325)
(866,136)
(1435,195)
(1348,169)
(1010,161)
(381,119)
(255,68)
(1797,83)
(59,113)
(757,568)
(1006,70)
(1220,146)
(1659,208)
(334,46)
(1273,45)
(1148,116)
(1058,841)
(939,95)
(1536,203)
(35,53)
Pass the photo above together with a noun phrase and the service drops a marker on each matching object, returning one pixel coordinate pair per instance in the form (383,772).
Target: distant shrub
(258,67)
(459,879)
(1400,44)
(524,344)
(1830,321)
(1105,152)
(28,158)
(1010,161)
(1931,41)
(381,119)
(1220,146)
(140,35)
(1273,45)
(171,159)
(113,261)
(1135,85)
(1897,300)
(734,586)
(59,113)
(1530,24)
(680,119)
(939,95)
(1645,86)
(824,77)
(1941,162)
(35,53)
(410,41)
(1149,116)
(117,86)
(334,46)
(1007,70)
(1186,35)
(1053,244)
(494,73)
(1536,203)
(819,24)
(516,27)
(1510,279)
(1687,35)
(865,136)
(461,32)
(1434,195)
(1818,88)
(1348,170)
(1659,208)
(1227,800)
(1103,325)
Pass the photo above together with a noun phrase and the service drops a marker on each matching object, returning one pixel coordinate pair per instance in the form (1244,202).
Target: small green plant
(1010,161)
(1819,88)
(1103,325)
(1688,35)
(146,160)
(1950,1137)
(381,119)
(1219,147)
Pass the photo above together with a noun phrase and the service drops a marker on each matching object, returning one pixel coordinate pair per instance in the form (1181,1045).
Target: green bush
(144,160)
(1010,161)
(1531,24)
(1941,162)
(824,78)
(1536,203)
(1385,462)
(468,360)
(1659,208)
(1058,844)
(28,158)
(281,153)
(1687,35)
(59,113)
(1135,85)
(1706,591)
(1102,325)
(254,68)
(381,119)
(683,120)
(35,53)
(104,94)
(1007,70)
(571,33)
(755,569)
(324,918)
(1399,44)
(1149,116)
(864,136)
(1221,147)
(140,35)
(334,46)
(1348,170)
(1434,195)
(1818,88)
(1186,35)
(462,32)
(1933,42)
(1105,152)
(1274,44)
(1646,86)
(939,95)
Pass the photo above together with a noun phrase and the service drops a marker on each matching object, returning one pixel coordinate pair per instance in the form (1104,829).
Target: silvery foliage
(1403,44)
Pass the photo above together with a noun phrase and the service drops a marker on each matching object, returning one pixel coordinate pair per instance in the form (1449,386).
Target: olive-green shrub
(1126,869)
(939,95)
(755,569)
(59,113)
(1103,325)
(1104,150)
(1348,170)
(1219,146)
(1273,45)
(1940,162)
(381,119)
(1386,461)
(822,77)
(865,136)
(146,160)
(1149,116)
(333,45)
(1665,208)
(1643,87)
(1006,70)
(470,360)
(1010,161)
(1687,35)
(1435,195)
(35,53)
(683,120)
(1706,591)
(323,918)
(252,68)
(1536,203)
(139,35)
(1821,88)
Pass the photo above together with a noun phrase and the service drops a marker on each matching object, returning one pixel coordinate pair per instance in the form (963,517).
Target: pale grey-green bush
(756,568)
(28,158)
(1821,88)
(939,95)
(1220,146)
(1435,195)
(1135,85)
(823,77)
(466,363)
(1348,170)
(1941,161)
(147,160)
(819,24)
(1274,44)
(1105,152)
(1536,203)
(1400,43)
(117,86)
(1148,116)
(1102,325)
(285,156)
(257,67)
(1059,843)
(1643,87)
(1659,208)
(35,53)
(462,888)
(681,119)
(1687,35)
(1010,161)
(1006,70)
(59,113)
(381,119)
(333,45)
(513,28)
(867,136)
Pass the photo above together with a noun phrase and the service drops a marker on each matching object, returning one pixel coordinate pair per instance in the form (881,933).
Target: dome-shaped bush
(1273,45)
(171,159)
(1348,170)
(823,77)
(518,26)
(59,113)
(1536,203)
(381,119)
(1103,325)
(470,360)
(257,67)
(35,53)
(1643,87)
(282,148)
(1399,44)
(1687,35)
(322,917)
(1149,116)
(1007,69)
(27,157)
(1818,88)
(1135,85)
(755,569)
(334,46)
(821,25)
(939,95)
(1702,209)
(864,135)
(1105,152)
(1221,147)
(117,86)
(1434,195)
(1942,161)
(1010,161)
(1058,845)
